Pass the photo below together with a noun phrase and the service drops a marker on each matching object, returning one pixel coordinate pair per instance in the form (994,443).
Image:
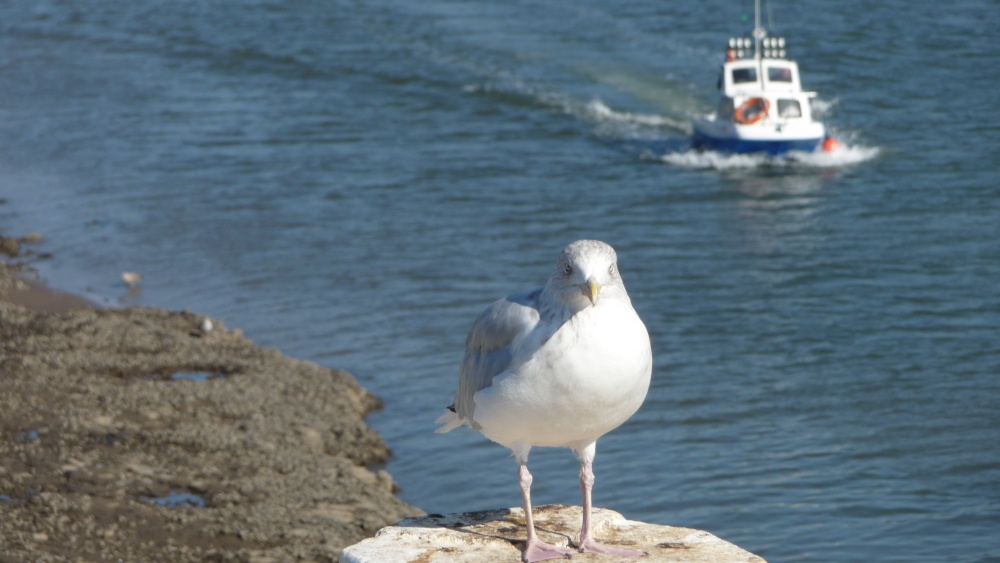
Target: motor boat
(762,107)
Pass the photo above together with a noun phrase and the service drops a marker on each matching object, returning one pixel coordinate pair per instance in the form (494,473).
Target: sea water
(353,182)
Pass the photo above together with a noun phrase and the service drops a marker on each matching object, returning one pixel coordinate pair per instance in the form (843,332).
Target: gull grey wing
(488,346)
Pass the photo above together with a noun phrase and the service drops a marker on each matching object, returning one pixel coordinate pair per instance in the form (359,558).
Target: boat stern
(774,138)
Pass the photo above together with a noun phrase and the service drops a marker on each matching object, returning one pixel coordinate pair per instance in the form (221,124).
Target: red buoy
(830,144)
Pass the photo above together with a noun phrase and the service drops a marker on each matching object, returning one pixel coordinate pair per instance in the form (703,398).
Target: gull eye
(568,269)
(611,269)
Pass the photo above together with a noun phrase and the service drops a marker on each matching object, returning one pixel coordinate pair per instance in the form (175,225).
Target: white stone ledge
(497,536)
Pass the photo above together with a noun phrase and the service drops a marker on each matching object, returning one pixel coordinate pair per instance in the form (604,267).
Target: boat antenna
(759,32)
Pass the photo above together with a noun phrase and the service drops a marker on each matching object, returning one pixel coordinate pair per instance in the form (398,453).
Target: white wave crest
(598,111)
(716,160)
(845,155)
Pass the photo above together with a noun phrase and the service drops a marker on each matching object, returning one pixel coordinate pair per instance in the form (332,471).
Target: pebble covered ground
(142,434)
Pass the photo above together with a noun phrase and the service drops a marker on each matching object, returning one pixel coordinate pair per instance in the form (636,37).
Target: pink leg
(587,542)
(535,550)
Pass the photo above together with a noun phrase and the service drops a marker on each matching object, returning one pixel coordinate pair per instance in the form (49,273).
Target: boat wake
(608,123)
(845,155)
(635,123)
(666,138)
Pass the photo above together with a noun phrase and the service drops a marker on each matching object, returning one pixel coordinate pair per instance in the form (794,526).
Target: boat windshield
(779,74)
(744,75)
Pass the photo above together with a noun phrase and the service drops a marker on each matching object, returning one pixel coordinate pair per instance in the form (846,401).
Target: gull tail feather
(448,421)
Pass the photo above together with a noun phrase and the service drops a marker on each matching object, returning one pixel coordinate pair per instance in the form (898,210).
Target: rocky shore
(142,434)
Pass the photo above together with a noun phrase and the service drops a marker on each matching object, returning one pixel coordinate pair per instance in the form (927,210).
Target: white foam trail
(822,107)
(845,155)
(711,159)
(610,123)
(598,111)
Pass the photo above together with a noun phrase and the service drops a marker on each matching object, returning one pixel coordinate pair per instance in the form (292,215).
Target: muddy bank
(136,434)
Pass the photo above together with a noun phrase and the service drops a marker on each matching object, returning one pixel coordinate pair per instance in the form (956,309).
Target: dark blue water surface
(352,182)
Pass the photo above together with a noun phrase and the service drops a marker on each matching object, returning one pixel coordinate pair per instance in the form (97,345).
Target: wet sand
(132,434)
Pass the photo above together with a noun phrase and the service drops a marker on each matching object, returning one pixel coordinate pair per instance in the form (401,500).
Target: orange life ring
(751,111)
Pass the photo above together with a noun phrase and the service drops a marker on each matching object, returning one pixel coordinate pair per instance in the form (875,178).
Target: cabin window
(779,74)
(744,75)
(789,108)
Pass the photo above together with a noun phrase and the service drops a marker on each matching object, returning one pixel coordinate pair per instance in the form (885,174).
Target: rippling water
(352,182)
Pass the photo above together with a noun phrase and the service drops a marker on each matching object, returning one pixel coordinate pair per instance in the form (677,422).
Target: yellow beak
(591,290)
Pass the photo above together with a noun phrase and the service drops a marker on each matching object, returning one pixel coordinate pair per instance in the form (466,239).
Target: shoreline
(138,433)
(18,289)
(38,297)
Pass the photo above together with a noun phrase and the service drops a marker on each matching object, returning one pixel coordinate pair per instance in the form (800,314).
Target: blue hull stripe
(744,146)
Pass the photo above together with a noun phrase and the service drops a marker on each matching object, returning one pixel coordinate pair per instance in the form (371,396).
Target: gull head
(586,273)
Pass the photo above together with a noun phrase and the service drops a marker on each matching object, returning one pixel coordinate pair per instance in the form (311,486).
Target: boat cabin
(776,81)
(762,107)
(747,76)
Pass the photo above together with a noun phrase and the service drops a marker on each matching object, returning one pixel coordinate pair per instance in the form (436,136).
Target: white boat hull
(773,138)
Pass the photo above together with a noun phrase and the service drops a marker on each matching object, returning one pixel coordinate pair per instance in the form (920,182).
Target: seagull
(556,367)
(131,279)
